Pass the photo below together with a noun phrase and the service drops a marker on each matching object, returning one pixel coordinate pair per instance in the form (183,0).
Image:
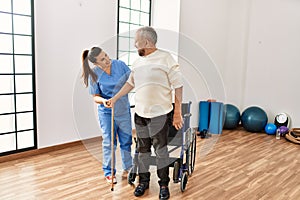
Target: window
(132,14)
(17,85)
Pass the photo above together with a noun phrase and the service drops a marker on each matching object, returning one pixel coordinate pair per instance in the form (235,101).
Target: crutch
(112,149)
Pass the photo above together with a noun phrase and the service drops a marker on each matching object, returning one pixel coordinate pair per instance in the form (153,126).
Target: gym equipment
(293,135)
(232,116)
(283,130)
(203,116)
(282,119)
(210,117)
(183,139)
(216,117)
(254,119)
(270,129)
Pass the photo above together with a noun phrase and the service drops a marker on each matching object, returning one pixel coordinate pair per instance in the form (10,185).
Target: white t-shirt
(153,77)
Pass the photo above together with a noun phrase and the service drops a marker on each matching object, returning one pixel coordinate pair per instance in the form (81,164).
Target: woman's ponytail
(87,71)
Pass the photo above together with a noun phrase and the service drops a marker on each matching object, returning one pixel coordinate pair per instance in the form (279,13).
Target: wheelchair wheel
(184,180)
(187,160)
(188,154)
(176,172)
(192,154)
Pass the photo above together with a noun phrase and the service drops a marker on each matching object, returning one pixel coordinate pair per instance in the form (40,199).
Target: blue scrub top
(108,85)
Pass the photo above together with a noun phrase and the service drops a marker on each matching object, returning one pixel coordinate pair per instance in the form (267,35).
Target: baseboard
(34,152)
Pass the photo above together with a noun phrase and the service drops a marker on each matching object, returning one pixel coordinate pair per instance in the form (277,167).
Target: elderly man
(154,75)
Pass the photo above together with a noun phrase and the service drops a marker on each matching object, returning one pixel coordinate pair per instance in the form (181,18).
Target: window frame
(15,113)
(119,52)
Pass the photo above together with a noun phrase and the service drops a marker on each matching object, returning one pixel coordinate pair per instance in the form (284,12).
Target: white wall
(273,58)
(62,30)
(220,28)
(203,25)
(166,21)
(254,44)
(166,14)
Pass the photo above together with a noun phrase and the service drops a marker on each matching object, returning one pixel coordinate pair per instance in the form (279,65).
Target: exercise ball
(270,129)
(254,119)
(232,116)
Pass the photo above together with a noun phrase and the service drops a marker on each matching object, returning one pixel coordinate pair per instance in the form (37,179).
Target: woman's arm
(98,99)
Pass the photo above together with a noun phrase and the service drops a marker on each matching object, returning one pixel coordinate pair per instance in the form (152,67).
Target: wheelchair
(183,140)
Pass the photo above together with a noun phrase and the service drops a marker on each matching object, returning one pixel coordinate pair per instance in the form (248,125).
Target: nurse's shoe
(110,178)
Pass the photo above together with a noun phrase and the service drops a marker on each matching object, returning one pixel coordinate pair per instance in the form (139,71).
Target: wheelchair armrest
(187,115)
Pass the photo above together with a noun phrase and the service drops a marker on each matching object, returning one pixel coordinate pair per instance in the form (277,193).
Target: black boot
(140,189)
(164,192)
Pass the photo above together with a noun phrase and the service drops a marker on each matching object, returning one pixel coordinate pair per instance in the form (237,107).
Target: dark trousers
(153,131)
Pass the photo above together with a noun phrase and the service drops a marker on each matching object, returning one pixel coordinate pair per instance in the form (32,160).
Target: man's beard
(141,52)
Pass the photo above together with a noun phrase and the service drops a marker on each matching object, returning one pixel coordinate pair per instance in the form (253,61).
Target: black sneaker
(164,192)
(140,189)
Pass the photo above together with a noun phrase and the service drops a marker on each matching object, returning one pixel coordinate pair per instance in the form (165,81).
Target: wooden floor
(234,165)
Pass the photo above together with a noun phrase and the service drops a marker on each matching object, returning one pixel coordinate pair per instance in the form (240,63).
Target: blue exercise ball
(254,119)
(232,116)
(270,129)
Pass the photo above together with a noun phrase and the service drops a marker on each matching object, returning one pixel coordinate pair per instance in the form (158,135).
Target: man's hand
(177,121)
(109,103)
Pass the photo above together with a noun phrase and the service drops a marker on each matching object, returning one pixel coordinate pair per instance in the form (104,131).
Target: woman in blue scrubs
(104,81)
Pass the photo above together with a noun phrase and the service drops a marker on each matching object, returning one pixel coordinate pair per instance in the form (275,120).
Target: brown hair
(87,71)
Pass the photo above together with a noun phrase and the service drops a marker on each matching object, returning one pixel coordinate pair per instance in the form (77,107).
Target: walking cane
(112,149)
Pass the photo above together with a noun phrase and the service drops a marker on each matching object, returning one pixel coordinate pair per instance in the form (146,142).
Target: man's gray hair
(149,33)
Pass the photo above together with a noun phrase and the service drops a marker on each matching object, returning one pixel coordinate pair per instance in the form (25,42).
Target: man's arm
(123,91)
(177,118)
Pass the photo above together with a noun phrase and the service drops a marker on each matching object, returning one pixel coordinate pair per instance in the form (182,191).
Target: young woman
(104,80)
